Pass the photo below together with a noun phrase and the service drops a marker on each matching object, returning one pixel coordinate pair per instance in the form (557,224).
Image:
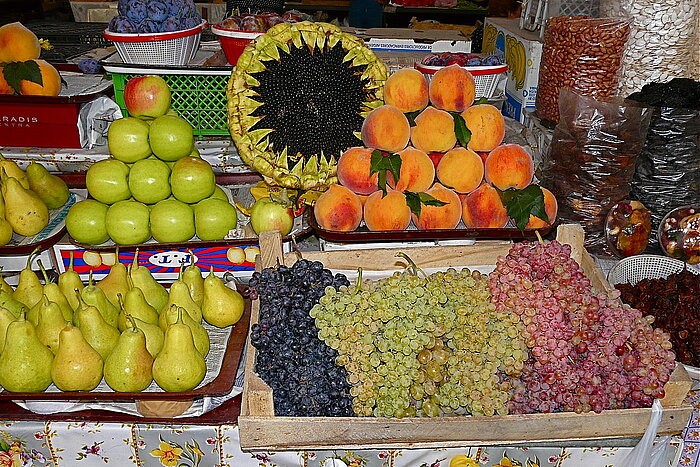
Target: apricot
(509,166)
(487,126)
(18,44)
(4,87)
(51,82)
(353,171)
(388,212)
(434,131)
(417,171)
(461,169)
(446,216)
(483,209)
(452,88)
(386,128)
(338,209)
(407,90)
(551,207)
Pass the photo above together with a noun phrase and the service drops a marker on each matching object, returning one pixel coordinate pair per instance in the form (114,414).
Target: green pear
(100,335)
(49,324)
(154,336)
(52,190)
(179,366)
(11,168)
(24,210)
(115,282)
(128,367)
(199,333)
(29,289)
(15,307)
(6,317)
(93,295)
(222,306)
(54,294)
(5,227)
(180,296)
(4,286)
(76,366)
(192,276)
(25,363)
(135,304)
(69,281)
(155,293)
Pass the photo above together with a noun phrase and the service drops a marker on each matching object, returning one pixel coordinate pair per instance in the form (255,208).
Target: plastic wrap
(580,53)
(591,161)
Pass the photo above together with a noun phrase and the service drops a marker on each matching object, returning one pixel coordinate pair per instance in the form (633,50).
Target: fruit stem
(411,264)
(131,320)
(539,237)
(70,261)
(43,272)
(32,255)
(358,283)
(135,262)
(120,300)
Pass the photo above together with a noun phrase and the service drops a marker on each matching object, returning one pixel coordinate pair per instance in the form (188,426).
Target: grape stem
(539,237)
(358,284)
(411,264)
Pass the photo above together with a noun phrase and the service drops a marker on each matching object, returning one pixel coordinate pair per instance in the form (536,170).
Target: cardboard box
(522,51)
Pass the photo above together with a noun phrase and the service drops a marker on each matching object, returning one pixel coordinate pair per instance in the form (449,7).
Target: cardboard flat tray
(213,385)
(260,429)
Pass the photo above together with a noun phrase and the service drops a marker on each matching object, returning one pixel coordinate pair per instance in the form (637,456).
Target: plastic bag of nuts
(591,160)
(580,53)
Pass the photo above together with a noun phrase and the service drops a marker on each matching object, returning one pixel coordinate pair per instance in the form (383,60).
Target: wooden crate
(260,429)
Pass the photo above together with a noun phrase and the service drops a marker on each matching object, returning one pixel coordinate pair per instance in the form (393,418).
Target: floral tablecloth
(90,444)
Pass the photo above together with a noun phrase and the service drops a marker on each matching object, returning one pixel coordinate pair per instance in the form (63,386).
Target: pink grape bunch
(587,350)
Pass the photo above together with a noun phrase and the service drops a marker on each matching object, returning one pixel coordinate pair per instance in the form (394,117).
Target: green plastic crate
(200,99)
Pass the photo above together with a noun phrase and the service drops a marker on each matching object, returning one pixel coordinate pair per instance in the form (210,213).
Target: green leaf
(520,204)
(415,201)
(461,130)
(481,100)
(411,116)
(15,72)
(379,163)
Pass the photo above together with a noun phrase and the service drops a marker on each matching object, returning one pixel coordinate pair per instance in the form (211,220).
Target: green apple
(127,139)
(213,218)
(192,180)
(149,180)
(128,222)
(170,137)
(268,215)
(108,181)
(85,222)
(172,221)
(219,193)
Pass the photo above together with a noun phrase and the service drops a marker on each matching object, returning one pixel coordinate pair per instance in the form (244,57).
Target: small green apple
(107,181)
(127,139)
(219,193)
(214,218)
(192,179)
(128,222)
(149,180)
(170,137)
(267,215)
(85,222)
(172,221)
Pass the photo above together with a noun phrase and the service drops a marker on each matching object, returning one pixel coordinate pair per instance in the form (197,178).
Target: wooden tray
(363,234)
(260,429)
(222,383)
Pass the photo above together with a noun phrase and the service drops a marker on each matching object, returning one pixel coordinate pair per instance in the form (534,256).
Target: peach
(388,212)
(4,87)
(483,209)
(551,207)
(452,88)
(386,128)
(51,82)
(446,216)
(417,171)
(338,209)
(461,169)
(18,44)
(353,171)
(434,131)
(487,126)
(407,90)
(509,166)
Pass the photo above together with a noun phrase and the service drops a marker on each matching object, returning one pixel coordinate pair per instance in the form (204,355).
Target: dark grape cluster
(291,359)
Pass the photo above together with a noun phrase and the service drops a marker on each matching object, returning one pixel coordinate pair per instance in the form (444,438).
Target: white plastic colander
(633,269)
(158,48)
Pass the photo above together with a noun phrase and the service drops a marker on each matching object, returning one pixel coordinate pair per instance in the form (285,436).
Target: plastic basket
(635,268)
(233,41)
(159,48)
(198,98)
(486,78)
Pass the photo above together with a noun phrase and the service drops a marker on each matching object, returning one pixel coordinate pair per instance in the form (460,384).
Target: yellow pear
(25,363)
(100,335)
(24,210)
(70,284)
(128,367)
(192,276)
(199,333)
(115,282)
(11,168)
(54,294)
(49,324)
(52,190)
(29,289)
(76,366)
(222,306)
(155,293)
